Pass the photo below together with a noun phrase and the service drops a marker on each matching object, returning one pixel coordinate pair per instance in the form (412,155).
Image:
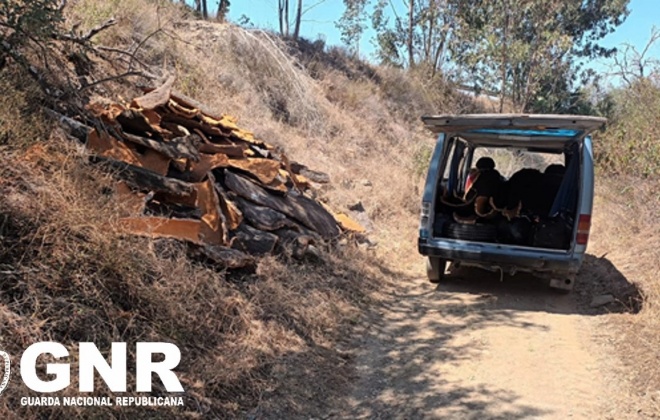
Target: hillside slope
(277,342)
(263,341)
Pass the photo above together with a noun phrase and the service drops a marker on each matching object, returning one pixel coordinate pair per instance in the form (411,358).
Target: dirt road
(478,348)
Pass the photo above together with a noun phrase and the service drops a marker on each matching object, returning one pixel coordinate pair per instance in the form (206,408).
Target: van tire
(476,232)
(435,269)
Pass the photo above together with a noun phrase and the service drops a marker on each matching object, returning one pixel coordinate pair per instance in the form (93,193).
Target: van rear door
(580,124)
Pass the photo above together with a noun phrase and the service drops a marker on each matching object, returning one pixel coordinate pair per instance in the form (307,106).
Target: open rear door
(580,124)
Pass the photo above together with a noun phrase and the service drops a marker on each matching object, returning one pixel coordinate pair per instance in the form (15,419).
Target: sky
(319,23)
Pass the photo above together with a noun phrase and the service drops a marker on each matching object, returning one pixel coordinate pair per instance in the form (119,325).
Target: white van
(509,193)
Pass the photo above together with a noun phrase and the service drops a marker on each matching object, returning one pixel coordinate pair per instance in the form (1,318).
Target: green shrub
(631,143)
(421,158)
(32,20)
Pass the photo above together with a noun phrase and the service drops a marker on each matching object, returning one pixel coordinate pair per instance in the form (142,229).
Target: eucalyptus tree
(530,51)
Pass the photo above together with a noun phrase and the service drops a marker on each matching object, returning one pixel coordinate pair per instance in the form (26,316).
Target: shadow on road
(415,353)
(525,292)
(403,352)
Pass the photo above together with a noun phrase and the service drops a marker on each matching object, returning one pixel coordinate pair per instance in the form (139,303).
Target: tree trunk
(527,88)
(504,60)
(411,29)
(432,12)
(436,57)
(205,10)
(283,14)
(280,15)
(198,6)
(223,8)
(296,31)
(286,16)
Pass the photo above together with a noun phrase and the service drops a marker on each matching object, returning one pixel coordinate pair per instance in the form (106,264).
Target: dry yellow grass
(360,126)
(626,231)
(628,155)
(68,276)
(263,342)
(267,342)
(326,110)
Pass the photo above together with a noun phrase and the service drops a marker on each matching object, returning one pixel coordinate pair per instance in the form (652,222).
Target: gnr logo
(91,361)
(6,362)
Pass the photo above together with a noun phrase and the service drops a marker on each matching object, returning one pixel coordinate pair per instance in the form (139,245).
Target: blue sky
(319,22)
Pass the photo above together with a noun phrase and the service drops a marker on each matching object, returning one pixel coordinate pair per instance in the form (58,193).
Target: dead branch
(130,54)
(630,64)
(73,127)
(95,30)
(84,39)
(117,77)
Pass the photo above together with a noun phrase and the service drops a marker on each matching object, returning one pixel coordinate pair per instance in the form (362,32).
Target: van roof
(528,125)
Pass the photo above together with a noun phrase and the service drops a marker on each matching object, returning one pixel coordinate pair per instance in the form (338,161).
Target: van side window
(452,164)
(448,159)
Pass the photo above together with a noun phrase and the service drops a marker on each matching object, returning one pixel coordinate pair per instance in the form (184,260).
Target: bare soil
(475,347)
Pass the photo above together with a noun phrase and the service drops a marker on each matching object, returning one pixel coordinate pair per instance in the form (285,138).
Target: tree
(632,65)
(436,22)
(205,10)
(410,42)
(283,7)
(25,25)
(388,39)
(528,51)
(223,10)
(422,36)
(201,7)
(630,144)
(352,23)
(296,30)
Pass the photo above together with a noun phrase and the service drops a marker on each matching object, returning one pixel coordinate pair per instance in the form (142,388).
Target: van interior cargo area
(532,202)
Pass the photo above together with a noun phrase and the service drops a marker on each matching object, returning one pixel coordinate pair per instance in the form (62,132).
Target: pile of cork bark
(187,173)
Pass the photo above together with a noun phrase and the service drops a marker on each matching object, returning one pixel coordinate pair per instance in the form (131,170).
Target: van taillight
(424,220)
(584,224)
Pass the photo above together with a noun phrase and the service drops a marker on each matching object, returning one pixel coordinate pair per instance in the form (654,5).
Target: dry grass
(267,342)
(20,106)
(248,339)
(360,124)
(625,229)
(69,277)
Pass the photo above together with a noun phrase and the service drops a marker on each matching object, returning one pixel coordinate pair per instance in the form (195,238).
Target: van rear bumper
(493,255)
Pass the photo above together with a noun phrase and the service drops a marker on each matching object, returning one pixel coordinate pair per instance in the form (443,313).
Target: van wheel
(435,269)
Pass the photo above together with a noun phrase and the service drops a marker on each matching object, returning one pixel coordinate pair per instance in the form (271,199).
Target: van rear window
(508,161)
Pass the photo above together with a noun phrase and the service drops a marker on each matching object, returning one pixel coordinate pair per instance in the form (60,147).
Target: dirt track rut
(478,348)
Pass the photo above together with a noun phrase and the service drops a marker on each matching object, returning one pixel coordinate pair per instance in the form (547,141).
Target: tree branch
(116,77)
(84,39)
